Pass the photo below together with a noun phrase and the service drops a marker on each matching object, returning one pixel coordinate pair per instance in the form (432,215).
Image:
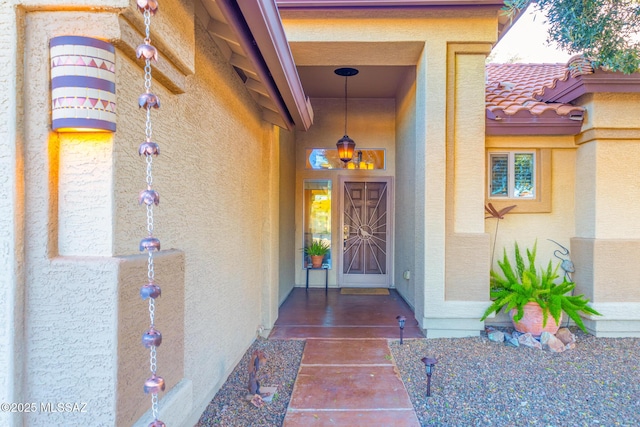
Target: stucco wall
(11,209)
(287,214)
(132,366)
(214,179)
(607,234)
(405,201)
(217,176)
(527,228)
(467,244)
(558,224)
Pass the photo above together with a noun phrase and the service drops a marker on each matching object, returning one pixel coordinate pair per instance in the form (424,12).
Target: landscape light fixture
(345,144)
(429,363)
(401,320)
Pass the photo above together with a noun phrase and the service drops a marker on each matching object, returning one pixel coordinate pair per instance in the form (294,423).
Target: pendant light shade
(345,145)
(345,148)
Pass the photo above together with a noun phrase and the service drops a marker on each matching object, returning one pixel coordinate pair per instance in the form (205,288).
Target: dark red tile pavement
(319,314)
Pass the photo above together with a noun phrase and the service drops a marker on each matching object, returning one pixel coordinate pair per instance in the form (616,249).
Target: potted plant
(531,296)
(316,251)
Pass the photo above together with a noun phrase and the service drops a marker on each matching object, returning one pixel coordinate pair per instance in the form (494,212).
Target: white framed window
(512,175)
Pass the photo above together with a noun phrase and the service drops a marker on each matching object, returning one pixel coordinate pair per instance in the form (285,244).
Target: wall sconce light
(429,363)
(345,144)
(401,320)
(83,85)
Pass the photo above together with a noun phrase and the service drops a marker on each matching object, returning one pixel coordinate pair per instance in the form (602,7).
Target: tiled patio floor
(319,314)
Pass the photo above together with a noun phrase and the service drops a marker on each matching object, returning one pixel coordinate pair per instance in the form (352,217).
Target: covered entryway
(315,313)
(366,224)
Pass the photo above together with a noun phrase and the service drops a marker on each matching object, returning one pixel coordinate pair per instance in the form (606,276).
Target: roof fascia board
(598,82)
(233,16)
(533,126)
(264,22)
(397,4)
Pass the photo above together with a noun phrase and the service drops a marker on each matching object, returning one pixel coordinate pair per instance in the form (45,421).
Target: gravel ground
(475,383)
(481,383)
(230,407)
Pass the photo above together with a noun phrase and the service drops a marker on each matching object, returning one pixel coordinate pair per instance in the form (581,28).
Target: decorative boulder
(528,340)
(565,336)
(551,343)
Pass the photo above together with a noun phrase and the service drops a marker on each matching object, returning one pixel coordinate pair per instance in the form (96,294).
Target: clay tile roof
(513,99)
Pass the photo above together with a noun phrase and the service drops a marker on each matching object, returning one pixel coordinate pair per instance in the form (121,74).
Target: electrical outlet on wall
(406,274)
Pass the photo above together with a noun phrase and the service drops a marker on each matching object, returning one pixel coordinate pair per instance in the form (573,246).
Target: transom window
(512,174)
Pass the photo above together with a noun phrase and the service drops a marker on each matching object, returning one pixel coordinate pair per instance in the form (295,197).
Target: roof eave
(368,4)
(598,82)
(264,22)
(531,125)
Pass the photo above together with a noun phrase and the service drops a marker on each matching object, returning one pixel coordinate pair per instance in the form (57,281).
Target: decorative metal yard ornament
(566,264)
(149,197)
(429,363)
(345,144)
(401,320)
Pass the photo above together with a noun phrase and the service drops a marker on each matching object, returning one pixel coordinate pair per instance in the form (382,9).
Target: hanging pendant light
(345,145)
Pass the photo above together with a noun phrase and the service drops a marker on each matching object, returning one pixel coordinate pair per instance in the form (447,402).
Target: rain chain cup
(152,338)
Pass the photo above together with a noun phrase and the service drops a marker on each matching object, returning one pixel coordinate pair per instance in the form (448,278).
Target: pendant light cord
(345,104)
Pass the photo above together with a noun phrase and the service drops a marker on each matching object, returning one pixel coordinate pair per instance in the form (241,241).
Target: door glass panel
(317,216)
(365,228)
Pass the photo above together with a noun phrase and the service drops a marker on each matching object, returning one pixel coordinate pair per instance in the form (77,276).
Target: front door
(366,232)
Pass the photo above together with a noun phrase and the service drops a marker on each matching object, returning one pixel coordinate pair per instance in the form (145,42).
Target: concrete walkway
(349,382)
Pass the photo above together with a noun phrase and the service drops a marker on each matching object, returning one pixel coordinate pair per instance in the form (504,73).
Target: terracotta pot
(532,320)
(316,261)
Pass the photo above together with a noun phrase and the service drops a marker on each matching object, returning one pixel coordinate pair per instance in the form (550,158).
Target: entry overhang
(251,36)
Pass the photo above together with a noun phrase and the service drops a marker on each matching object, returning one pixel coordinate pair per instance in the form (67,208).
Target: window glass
(523,175)
(499,175)
(317,216)
(327,158)
(512,175)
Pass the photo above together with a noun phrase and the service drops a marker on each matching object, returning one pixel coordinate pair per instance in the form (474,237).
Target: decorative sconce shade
(83,85)
(345,144)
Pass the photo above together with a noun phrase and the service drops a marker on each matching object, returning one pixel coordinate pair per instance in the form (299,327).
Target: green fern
(514,288)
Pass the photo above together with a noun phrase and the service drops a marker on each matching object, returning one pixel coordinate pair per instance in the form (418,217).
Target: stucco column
(270,241)
(456,290)
(606,248)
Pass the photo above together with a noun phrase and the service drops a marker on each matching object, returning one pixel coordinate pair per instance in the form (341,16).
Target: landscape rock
(510,340)
(551,343)
(565,336)
(528,340)
(495,336)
